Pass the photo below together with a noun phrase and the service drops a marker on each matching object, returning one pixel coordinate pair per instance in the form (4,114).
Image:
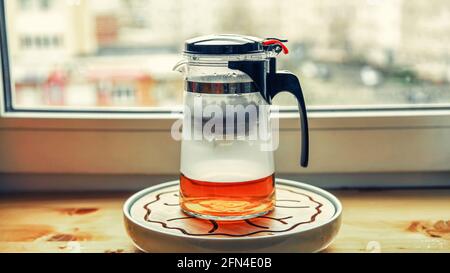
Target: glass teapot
(227,154)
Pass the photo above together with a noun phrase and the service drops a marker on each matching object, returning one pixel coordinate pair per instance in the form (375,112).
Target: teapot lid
(224,44)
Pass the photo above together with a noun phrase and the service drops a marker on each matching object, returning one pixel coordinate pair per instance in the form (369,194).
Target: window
(25,4)
(56,41)
(45,4)
(92,82)
(374,53)
(25,42)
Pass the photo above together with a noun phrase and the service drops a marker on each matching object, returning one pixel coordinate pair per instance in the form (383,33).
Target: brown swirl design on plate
(265,224)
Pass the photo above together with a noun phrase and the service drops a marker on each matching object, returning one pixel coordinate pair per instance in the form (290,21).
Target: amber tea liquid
(229,200)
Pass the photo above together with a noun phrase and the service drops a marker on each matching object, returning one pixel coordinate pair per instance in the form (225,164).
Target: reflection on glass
(120,53)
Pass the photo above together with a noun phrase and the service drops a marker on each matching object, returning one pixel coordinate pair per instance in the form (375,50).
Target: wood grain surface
(373,221)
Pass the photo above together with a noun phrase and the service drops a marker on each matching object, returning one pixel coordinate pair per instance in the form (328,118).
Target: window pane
(120,53)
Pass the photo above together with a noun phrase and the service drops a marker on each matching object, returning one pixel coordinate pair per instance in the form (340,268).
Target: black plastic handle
(286,81)
(270,83)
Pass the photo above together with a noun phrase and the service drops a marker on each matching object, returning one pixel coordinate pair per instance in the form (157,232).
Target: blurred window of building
(25,4)
(45,4)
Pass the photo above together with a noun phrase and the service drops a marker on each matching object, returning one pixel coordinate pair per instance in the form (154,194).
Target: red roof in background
(117,74)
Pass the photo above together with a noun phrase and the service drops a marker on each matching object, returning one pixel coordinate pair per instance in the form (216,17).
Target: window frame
(388,127)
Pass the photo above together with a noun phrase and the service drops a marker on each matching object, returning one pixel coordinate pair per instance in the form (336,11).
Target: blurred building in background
(425,38)
(120,52)
(44,37)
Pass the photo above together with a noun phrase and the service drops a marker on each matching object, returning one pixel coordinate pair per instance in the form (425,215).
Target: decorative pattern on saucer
(296,210)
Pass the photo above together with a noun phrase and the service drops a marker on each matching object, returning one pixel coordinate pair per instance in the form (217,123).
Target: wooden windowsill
(373,221)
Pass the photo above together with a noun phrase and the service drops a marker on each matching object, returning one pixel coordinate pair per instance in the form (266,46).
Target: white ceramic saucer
(306,219)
